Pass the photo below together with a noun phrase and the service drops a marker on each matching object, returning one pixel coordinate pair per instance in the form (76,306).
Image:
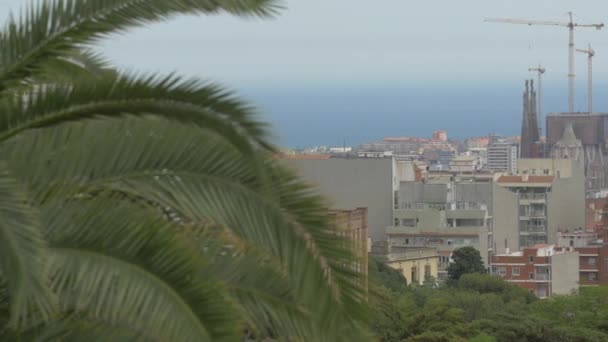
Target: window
(531,258)
(592,276)
(515,271)
(427,271)
(592,261)
(414,275)
(531,275)
(502,271)
(494,270)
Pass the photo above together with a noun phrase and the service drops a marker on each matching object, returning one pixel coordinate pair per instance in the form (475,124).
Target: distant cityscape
(533,205)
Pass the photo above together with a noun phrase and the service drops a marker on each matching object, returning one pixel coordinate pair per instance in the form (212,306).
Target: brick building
(352,224)
(542,269)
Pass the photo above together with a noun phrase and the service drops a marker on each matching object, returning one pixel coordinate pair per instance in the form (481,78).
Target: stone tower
(530,143)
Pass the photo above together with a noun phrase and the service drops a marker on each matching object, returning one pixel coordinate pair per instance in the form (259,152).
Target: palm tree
(151,207)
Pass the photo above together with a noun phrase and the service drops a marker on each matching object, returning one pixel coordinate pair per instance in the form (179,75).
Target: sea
(351,114)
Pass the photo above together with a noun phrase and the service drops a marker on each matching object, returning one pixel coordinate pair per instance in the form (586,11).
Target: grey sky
(350,41)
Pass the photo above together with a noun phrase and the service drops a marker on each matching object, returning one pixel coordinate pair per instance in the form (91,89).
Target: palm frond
(205,179)
(193,102)
(116,262)
(65,160)
(259,285)
(22,253)
(49,29)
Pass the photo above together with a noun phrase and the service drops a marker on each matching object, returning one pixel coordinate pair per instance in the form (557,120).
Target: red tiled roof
(530,179)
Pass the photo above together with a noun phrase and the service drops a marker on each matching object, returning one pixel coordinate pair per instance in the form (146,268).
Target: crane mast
(540,71)
(570,25)
(590,53)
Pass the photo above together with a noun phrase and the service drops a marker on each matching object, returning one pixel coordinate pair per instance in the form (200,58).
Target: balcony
(533,213)
(532,197)
(542,276)
(533,229)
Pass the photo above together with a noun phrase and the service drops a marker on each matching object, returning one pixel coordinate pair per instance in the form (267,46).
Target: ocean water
(311,115)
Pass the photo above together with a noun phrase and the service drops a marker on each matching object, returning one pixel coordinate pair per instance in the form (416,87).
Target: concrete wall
(566,204)
(474,192)
(416,192)
(564,273)
(355,183)
(506,219)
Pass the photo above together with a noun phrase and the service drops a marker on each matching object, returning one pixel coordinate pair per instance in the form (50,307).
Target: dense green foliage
(484,308)
(152,208)
(465,260)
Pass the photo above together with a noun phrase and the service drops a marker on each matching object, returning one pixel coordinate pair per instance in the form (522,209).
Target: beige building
(353,183)
(544,197)
(416,264)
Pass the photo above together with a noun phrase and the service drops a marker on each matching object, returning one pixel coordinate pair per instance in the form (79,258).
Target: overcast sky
(379,41)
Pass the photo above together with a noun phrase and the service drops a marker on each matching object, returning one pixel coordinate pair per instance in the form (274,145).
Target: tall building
(542,269)
(502,157)
(544,197)
(530,141)
(354,183)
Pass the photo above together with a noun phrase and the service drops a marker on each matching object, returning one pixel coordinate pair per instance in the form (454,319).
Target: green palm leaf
(205,179)
(118,263)
(193,102)
(22,250)
(51,28)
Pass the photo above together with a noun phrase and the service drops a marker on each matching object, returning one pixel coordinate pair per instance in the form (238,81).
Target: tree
(466,260)
(151,207)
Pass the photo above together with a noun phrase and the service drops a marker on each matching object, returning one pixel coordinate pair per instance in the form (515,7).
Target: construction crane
(540,71)
(590,53)
(570,25)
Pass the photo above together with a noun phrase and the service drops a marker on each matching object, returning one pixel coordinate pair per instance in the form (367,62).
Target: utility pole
(540,70)
(590,53)
(570,25)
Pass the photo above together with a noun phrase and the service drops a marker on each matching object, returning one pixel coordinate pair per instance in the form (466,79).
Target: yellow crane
(570,25)
(590,53)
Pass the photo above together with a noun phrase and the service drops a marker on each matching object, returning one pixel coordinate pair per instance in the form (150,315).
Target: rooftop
(525,179)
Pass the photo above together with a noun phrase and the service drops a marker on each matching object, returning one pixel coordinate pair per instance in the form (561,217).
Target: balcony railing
(532,196)
(444,206)
(533,229)
(542,276)
(533,213)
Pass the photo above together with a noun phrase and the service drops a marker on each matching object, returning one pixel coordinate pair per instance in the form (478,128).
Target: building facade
(355,183)
(352,224)
(502,157)
(542,269)
(418,265)
(545,197)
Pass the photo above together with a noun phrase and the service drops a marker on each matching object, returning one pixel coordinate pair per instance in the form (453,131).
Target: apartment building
(593,254)
(544,197)
(542,269)
(444,214)
(502,157)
